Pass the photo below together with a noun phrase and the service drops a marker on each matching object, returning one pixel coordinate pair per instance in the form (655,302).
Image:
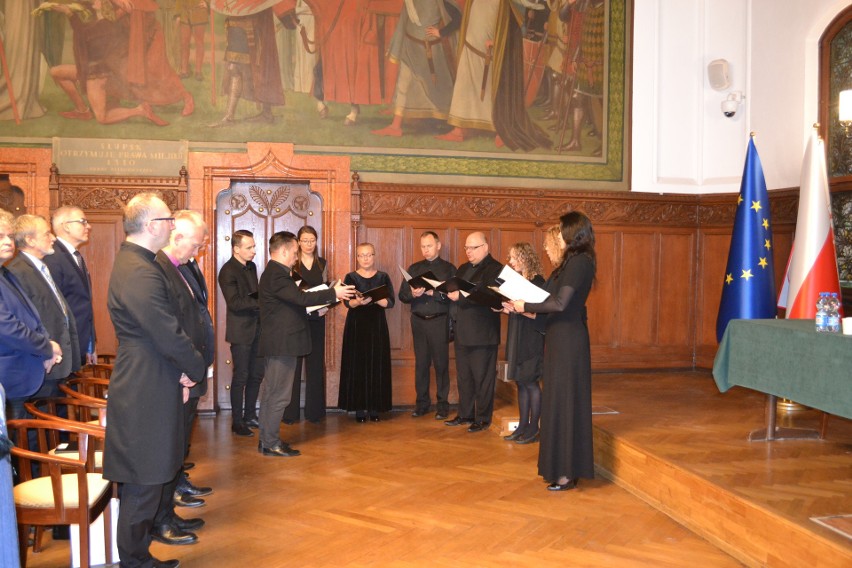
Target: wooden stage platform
(412,492)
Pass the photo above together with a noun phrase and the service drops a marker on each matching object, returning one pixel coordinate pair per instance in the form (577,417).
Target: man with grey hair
(34,242)
(26,350)
(71,275)
(155,366)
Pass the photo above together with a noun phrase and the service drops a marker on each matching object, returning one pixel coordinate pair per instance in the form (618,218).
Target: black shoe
(374,418)
(528,439)
(280,450)
(518,433)
(441,415)
(188,465)
(478,427)
(166,563)
(188,500)
(361,419)
(252,423)
(186,524)
(570,484)
(420,412)
(168,534)
(185,487)
(458,421)
(241,429)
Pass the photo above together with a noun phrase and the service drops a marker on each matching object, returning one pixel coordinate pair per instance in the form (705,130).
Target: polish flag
(812,267)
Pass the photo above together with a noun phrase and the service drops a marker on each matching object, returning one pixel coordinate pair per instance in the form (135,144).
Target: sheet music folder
(376,294)
(426,280)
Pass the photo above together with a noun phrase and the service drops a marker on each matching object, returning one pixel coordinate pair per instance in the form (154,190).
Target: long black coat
(145,432)
(237,282)
(52,316)
(283,319)
(477,325)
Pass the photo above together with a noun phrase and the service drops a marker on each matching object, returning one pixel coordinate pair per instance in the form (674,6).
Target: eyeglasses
(468,249)
(84,222)
(169,219)
(366,255)
(308,242)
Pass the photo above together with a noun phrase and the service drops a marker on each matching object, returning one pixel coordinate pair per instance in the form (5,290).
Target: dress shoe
(441,415)
(419,412)
(374,418)
(252,423)
(192,524)
(458,421)
(168,534)
(188,465)
(518,433)
(173,563)
(188,500)
(478,427)
(241,429)
(185,487)
(570,484)
(528,439)
(360,419)
(281,450)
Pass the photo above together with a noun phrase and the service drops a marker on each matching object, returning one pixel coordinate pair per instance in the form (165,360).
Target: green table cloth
(789,359)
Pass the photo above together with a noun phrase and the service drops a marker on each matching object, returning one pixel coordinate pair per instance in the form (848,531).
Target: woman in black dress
(312,269)
(525,349)
(566,453)
(365,367)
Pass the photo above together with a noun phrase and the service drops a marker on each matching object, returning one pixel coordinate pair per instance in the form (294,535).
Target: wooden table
(788,359)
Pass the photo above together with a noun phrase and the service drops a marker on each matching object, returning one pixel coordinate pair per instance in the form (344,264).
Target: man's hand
(417,292)
(343,291)
(453,296)
(186,381)
(92,358)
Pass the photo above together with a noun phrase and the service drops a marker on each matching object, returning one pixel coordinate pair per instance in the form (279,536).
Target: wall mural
(504,92)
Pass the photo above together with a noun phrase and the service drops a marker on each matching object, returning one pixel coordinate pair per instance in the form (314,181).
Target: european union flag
(749,288)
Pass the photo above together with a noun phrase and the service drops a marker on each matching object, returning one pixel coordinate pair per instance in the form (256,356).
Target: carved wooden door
(263,207)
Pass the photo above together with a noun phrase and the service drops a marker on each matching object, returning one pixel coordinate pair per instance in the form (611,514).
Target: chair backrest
(99,370)
(34,450)
(86,388)
(68,409)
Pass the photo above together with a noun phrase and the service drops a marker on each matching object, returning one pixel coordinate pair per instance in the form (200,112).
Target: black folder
(455,284)
(376,294)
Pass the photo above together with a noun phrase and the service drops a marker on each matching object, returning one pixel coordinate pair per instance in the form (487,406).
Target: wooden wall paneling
(603,303)
(639,288)
(676,314)
(108,233)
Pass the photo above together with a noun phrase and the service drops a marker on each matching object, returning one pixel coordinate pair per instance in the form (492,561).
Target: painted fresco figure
(193,18)
(488,93)
(20,40)
(98,73)
(424,46)
(252,72)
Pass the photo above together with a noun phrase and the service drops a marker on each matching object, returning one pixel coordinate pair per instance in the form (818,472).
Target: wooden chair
(66,490)
(91,389)
(69,409)
(98,370)
(106,358)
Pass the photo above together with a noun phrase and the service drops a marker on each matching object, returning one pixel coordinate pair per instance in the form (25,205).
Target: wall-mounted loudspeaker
(717,73)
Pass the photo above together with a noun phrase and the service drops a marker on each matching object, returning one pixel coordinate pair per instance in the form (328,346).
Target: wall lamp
(844,110)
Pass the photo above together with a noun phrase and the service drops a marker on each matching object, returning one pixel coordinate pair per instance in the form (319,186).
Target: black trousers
(314,364)
(431,349)
(136,511)
(246,379)
(477,373)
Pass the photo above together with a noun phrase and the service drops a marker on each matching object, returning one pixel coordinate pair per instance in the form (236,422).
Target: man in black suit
(477,337)
(238,283)
(155,366)
(35,242)
(26,350)
(71,275)
(284,335)
(429,328)
(187,237)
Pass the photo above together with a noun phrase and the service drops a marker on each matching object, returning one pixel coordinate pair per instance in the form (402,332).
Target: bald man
(477,337)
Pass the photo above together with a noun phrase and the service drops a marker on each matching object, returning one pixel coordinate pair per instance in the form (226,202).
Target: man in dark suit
(26,350)
(34,242)
(71,275)
(155,366)
(238,283)
(284,335)
(187,237)
(429,328)
(477,337)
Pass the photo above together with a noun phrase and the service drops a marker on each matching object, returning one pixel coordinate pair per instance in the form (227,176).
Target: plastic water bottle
(833,322)
(822,313)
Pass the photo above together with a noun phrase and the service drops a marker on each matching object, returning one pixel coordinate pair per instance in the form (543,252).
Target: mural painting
(506,92)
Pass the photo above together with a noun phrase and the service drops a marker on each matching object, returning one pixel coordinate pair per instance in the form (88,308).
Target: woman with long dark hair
(565,453)
(313,271)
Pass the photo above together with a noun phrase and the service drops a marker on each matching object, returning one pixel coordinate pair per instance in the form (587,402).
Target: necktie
(46,273)
(81,264)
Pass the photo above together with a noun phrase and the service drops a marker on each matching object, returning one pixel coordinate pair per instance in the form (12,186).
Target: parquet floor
(413,492)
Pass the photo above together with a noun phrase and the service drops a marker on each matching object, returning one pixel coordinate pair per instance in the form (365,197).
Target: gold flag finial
(752,134)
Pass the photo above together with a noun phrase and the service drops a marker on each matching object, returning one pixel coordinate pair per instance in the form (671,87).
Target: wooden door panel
(105,239)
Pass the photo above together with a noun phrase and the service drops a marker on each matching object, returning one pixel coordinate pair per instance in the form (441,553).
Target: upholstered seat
(38,493)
